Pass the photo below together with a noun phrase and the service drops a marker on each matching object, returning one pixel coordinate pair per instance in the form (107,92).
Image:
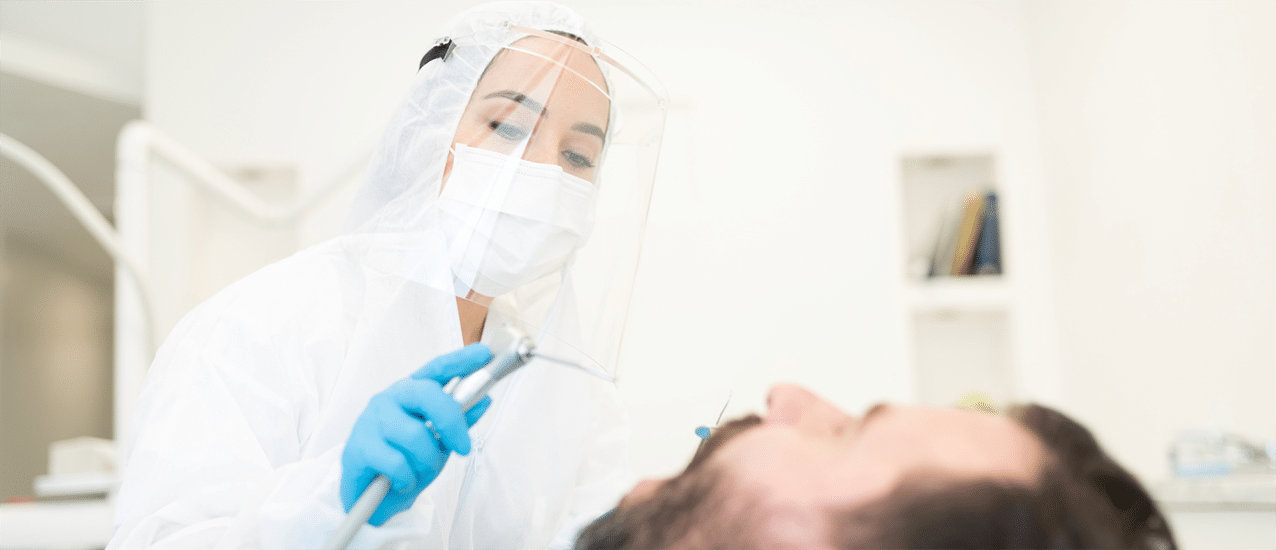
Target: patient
(809,476)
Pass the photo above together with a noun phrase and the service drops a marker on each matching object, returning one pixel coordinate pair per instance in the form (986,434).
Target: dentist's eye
(578,160)
(507,131)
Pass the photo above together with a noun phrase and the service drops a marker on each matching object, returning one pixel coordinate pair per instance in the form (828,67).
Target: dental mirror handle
(467,392)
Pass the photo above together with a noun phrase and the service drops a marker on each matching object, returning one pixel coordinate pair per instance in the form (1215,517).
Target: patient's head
(810,476)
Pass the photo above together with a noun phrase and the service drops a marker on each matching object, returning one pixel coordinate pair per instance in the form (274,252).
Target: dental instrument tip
(596,372)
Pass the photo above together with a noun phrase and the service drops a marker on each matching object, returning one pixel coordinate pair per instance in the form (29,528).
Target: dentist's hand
(391,436)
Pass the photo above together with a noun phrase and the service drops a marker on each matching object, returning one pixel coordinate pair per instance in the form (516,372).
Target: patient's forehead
(788,467)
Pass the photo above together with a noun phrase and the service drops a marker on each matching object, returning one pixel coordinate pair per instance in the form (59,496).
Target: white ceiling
(98,44)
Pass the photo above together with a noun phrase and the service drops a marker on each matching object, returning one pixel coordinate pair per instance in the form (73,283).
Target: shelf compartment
(978,293)
(956,354)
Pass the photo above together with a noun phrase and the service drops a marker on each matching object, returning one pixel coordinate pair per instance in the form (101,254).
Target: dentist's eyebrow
(518,98)
(591,129)
(584,127)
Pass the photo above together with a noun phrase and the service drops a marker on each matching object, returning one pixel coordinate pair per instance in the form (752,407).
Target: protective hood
(534,242)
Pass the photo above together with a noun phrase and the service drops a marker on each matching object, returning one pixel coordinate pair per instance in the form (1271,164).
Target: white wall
(300,88)
(57,352)
(94,48)
(773,248)
(1159,132)
(70,76)
(774,245)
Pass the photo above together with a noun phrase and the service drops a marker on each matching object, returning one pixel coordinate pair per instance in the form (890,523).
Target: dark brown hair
(1084,499)
(690,505)
(685,503)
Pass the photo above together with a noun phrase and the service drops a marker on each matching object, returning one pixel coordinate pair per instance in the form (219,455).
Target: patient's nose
(795,406)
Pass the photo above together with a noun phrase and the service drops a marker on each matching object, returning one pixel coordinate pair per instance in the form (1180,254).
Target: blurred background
(815,160)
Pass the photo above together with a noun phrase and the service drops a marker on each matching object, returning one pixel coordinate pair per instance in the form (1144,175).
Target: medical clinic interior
(1070,203)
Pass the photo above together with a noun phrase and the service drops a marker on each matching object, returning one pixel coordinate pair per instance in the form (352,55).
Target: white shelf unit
(983,292)
(961,337)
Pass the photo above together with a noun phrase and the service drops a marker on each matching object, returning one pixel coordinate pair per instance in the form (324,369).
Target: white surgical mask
(509,221)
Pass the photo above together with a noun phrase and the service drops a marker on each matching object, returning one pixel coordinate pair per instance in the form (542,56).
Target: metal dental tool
(703,432)
(467,391)
(594,372)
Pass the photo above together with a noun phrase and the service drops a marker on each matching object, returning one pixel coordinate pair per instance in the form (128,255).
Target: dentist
(510,188)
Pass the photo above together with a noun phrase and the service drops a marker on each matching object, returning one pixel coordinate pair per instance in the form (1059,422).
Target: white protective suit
(245,411)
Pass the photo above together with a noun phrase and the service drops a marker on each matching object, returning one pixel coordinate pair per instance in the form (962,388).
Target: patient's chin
(642,490)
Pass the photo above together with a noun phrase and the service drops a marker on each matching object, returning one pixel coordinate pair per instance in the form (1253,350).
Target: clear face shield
(546,187)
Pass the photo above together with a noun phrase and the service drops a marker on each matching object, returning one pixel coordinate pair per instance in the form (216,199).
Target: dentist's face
(542,100)
(806,456)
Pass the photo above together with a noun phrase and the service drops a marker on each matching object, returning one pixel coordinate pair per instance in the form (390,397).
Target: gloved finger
(381,515)
(473,415)
(426,399)
(353,485)
(391,462)
(458,363)
(428,463)
(388,509)
(411,436)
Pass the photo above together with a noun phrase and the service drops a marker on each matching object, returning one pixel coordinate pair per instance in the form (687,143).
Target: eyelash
(514,133)
(578,160)
(507,131)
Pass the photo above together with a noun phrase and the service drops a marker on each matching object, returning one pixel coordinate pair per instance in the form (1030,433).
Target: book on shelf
(988,250)
(972,217)
(969,241)
(945,243)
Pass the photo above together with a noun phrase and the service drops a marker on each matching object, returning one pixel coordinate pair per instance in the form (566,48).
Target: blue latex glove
(391,436)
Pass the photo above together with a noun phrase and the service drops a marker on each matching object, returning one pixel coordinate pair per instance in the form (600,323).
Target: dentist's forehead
(548,62)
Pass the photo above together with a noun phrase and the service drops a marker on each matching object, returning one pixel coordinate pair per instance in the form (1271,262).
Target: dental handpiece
(467,391)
